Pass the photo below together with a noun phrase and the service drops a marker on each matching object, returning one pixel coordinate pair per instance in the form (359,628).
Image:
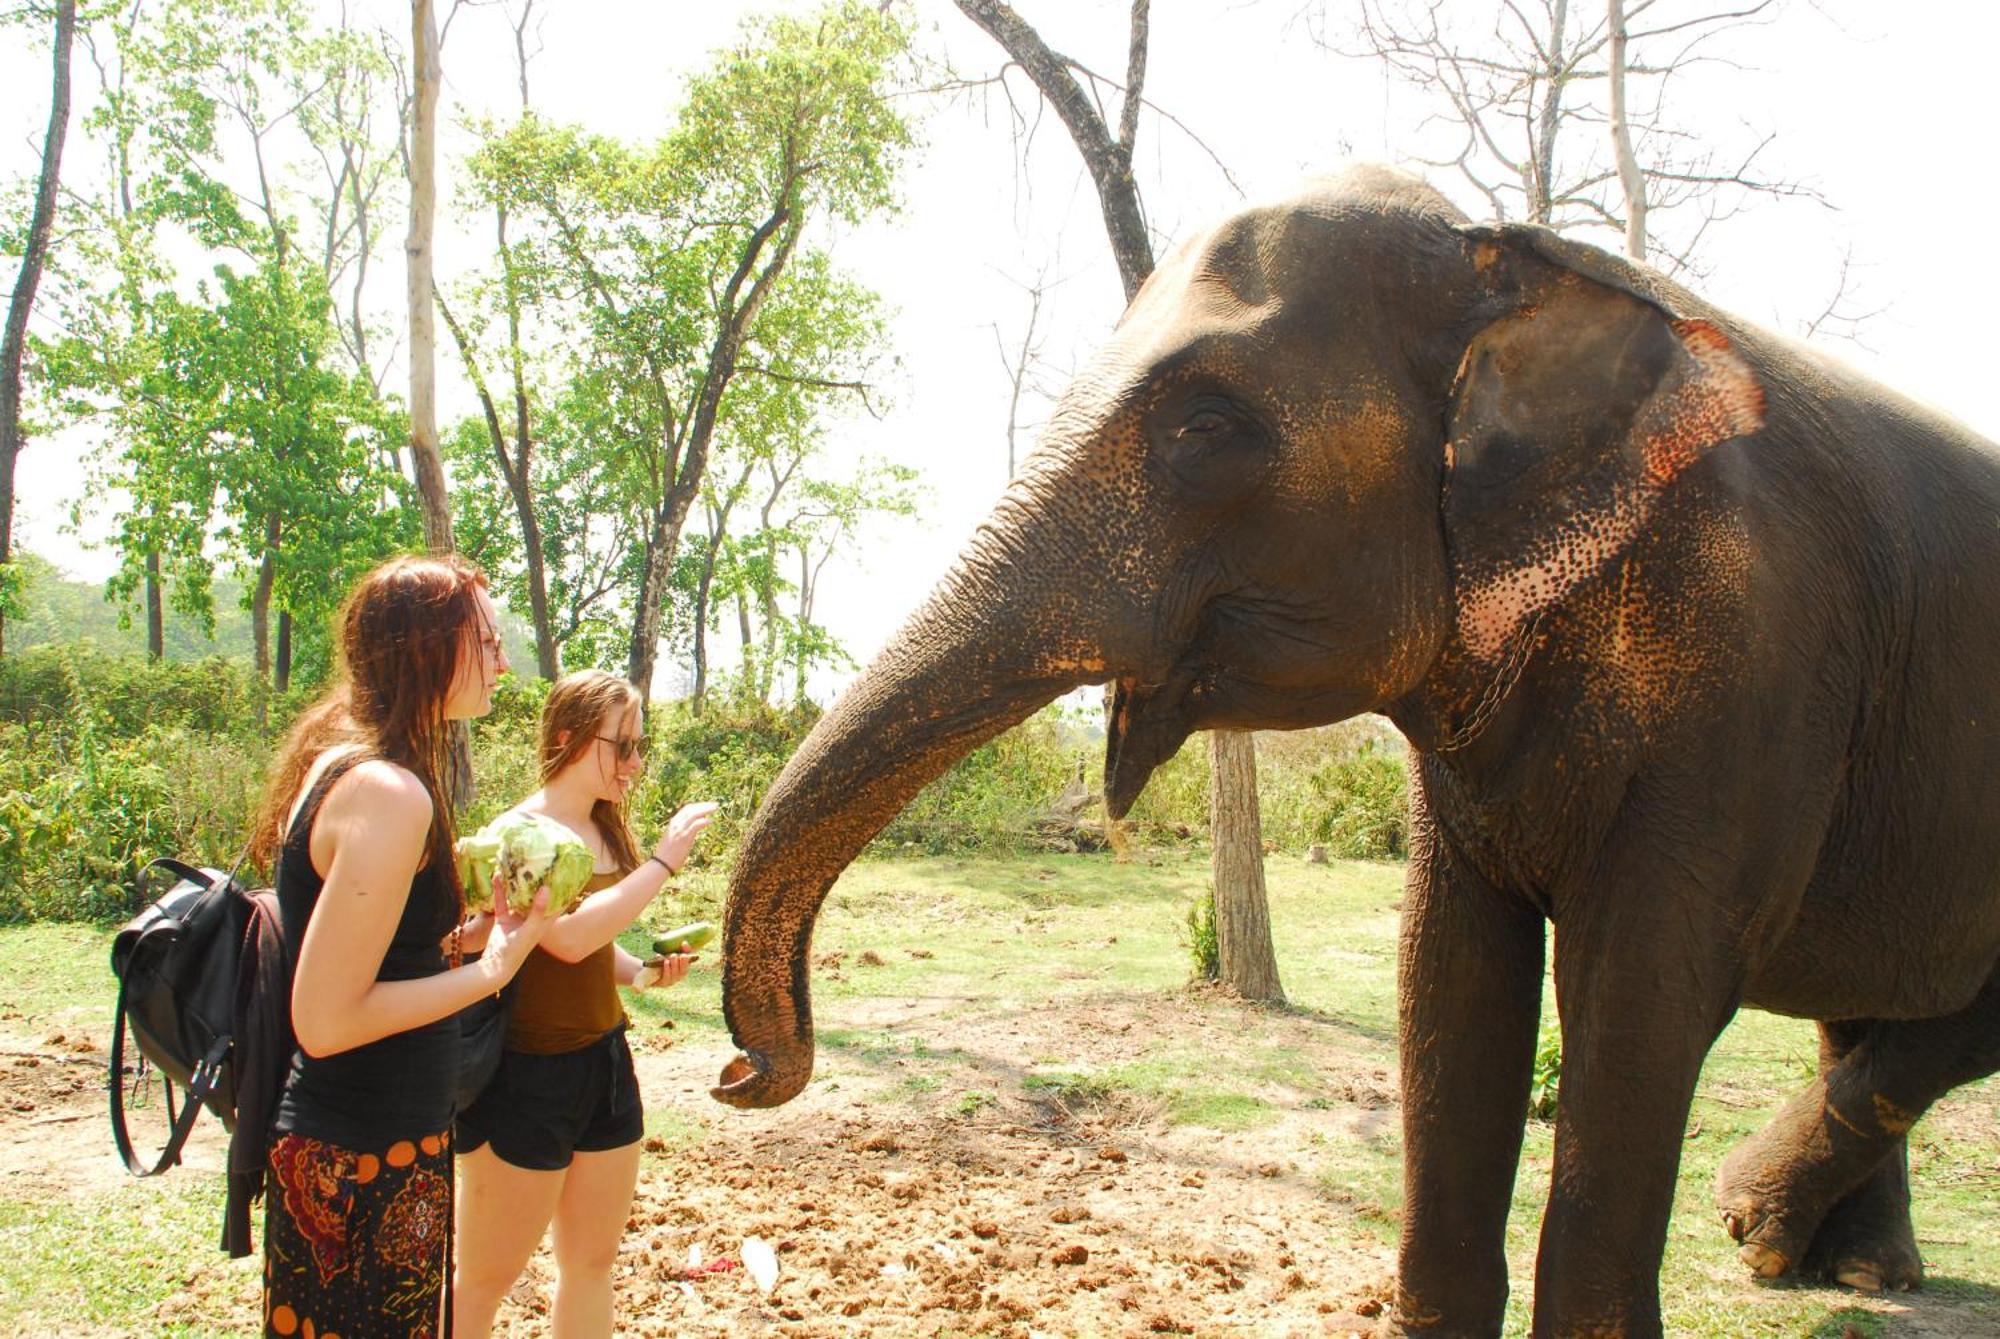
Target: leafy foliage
(1199,938)
(1363,805)
(1547,1080)
(107,760)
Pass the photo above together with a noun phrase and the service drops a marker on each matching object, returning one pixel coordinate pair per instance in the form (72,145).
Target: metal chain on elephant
(1520,648)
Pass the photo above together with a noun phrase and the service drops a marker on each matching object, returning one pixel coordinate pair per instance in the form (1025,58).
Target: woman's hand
(686,825)
(513,936)
(470,937)
(668,971)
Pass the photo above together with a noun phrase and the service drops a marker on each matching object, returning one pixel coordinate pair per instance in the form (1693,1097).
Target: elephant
(1694,636)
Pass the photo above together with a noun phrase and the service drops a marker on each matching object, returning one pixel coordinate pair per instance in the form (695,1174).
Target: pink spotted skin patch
(1712,398)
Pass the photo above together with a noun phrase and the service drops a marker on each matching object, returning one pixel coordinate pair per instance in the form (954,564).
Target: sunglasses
(627,749)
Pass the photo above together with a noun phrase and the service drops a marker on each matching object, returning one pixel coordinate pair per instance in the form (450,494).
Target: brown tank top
(565,1006)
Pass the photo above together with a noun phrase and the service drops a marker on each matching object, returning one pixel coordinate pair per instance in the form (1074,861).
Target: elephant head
(1337,455)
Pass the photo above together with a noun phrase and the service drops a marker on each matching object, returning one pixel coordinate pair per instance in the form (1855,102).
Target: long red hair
(400,638)
(579,708)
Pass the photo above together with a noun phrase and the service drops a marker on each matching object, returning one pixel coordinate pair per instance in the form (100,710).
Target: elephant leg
(1867,1240)
(1470,984)
(1644,984)
(1825,1185)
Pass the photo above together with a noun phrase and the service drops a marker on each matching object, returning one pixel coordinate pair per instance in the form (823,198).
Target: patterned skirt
(355,1243)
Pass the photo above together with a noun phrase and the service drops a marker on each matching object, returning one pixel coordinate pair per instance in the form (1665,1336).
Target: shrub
(1199,938)
(53,688)
(109,760)
(990,799)
(1364,803)
(81,815)
(1547,1080)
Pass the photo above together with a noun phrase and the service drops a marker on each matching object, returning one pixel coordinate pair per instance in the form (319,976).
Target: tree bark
(1242,914)
(685,484)
(156,623)
(1108,160)
(514,469)
(14,346)
(424,458)
(260,599)
(1630,179)
(281,672)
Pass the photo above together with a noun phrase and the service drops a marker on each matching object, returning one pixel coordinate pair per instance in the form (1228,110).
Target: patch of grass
(109,1261)
(677,1131)
(1184,1089)
(971,1102)
(54,977)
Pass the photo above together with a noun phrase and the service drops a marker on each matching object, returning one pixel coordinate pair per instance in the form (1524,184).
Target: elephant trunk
(968,665)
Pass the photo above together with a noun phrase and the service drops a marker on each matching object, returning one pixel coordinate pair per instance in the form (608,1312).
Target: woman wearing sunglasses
(554,1138)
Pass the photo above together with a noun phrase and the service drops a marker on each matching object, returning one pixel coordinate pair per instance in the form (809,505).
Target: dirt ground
(981,1207)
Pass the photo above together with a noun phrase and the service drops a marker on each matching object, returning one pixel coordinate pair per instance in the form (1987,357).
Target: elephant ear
(1572,415)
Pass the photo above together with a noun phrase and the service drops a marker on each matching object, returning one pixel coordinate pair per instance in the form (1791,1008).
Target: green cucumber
(686,939)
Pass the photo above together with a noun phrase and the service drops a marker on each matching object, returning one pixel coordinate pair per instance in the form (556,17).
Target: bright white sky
(1883,108)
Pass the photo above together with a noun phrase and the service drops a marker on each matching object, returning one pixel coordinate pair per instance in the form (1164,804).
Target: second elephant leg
(1867,1240)
(1643,988)
(1825,1183)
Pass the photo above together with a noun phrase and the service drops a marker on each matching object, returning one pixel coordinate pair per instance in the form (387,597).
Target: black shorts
(541,1109)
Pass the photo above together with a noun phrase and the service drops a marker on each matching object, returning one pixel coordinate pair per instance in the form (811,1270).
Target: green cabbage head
(527,850)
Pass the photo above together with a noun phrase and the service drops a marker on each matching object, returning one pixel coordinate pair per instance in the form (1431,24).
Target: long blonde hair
(578,709)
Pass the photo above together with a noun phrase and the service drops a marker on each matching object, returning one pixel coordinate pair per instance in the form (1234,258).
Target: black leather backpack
(176,964)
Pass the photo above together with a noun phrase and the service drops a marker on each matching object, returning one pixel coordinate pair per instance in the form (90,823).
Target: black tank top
(401,1086)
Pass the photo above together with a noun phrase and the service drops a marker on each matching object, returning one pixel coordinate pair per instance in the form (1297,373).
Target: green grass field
(979,938)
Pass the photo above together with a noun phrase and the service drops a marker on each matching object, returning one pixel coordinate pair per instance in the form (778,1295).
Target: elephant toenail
(1764,1262)
(1859,1278)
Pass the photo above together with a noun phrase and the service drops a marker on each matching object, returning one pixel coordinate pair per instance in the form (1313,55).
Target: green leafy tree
(227,418)
(668,255)
(262,446)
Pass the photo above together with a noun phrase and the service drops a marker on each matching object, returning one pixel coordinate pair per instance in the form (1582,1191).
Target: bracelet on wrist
(655,860)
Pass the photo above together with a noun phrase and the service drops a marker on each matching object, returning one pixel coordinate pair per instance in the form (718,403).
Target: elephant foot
(1763,1210)
(1867,1242)
(1816,1193)
(1777,1187)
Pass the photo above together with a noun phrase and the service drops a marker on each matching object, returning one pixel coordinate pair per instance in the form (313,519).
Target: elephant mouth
(1149,722)
(1147,726)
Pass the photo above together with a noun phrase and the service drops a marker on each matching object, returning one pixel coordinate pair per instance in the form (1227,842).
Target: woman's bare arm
(376,823)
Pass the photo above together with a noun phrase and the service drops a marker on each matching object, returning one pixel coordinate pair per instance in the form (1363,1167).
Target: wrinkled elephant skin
(1696,639)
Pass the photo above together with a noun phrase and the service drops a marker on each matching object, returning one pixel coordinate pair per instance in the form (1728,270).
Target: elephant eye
(1204,423)
(1213,449)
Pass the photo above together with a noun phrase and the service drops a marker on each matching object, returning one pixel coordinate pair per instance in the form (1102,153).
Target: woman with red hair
(356,824)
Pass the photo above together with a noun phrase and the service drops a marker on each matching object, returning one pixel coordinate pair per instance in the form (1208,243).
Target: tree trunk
(514,469)
(1541,207)
(645,648)
(260,599)
(1108,160)
(156,623)
(281,675)
(424,458)
(14,346)
(685,485)
(1630,179)
(520,478)
(1242,917)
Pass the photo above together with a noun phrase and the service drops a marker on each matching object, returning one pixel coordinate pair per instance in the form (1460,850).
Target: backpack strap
(201,1085)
